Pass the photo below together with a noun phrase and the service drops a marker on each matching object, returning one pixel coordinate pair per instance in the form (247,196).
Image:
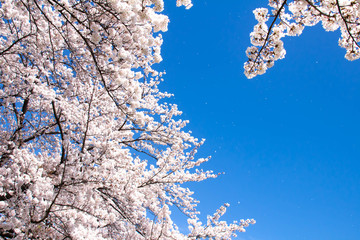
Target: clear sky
(288,141)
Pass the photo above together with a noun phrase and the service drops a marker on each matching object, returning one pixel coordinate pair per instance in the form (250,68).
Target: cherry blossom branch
(268,34)
(346,24)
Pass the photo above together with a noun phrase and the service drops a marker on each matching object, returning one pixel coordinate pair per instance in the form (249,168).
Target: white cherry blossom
(89,148)
(289,18)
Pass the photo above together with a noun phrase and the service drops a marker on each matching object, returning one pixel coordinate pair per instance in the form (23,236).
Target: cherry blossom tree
(289,18)
(89,148)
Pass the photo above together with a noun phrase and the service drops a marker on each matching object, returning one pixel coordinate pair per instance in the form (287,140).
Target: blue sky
(288,141)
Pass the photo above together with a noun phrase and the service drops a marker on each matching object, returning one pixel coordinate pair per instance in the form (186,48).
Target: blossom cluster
(88,147)
(289,18)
